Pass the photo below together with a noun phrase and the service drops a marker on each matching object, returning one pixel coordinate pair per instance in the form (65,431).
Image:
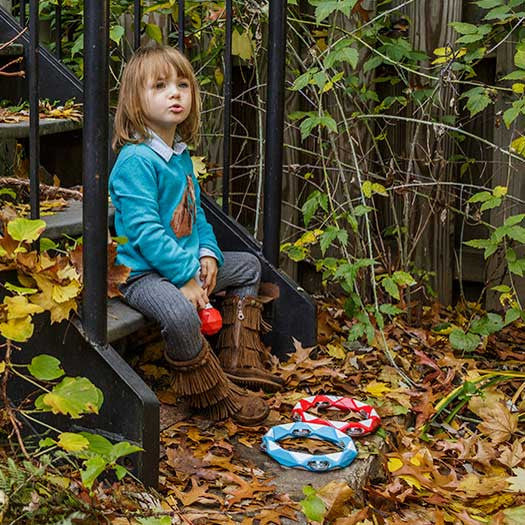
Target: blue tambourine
(313,462)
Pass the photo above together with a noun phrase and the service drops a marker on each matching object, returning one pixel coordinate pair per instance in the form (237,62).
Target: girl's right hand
(195,294)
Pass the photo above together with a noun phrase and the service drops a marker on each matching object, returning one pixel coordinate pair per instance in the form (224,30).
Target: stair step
(12,50)
(69,221)
(123,320)
(48,126)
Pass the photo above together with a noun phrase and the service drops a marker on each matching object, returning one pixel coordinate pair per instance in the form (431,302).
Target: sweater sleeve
(135,190)
(207,237)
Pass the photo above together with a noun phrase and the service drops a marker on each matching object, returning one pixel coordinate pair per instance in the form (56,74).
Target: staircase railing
(95,137)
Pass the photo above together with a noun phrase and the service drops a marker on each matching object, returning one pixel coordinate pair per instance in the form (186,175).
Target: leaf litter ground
(455,440)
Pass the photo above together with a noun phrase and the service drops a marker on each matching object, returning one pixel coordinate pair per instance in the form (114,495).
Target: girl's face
(167,102)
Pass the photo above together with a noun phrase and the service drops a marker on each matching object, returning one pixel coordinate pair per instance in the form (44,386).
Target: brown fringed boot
(242,354)
(203,382)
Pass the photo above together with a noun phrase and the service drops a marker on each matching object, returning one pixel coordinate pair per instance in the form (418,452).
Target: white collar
(160,147)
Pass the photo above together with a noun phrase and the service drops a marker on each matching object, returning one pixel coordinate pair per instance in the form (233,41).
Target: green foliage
(312,505)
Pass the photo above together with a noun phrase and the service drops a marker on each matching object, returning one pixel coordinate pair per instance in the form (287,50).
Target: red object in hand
(211,320)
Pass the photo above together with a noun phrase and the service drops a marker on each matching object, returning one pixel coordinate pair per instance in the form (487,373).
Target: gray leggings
(160,300)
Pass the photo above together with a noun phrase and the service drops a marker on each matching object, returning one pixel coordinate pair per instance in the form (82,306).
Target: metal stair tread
(69,221)
(48,126)
(13,50)
(123,320)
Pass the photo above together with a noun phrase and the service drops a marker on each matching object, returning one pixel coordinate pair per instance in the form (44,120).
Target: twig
(7,405)
(52,192)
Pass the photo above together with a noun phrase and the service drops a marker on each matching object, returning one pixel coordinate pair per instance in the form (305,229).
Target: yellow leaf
(500,191)
(219,76)
(46,261)
(518,146)
(19,330)
(445,54)
(2,367)
(394,464)
(518,87)
(379,188)
(412,481)
(72,442)
(68,272)
(377,389)
(242,45)
(336,351)
(198,165)
(18,307)
(367,189)
(61,294)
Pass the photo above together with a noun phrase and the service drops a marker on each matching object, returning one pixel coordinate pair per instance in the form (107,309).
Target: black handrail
(137,12)
(181,25)
(34,120)
(227,109)
(58,30)
(273,153)
(23,13)
(95,170)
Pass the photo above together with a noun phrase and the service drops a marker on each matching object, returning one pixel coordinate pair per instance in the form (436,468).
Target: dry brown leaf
(498,423)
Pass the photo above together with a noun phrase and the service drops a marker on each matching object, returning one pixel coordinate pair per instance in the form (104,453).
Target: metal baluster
(138,20)
(227,109)
(23,13)
(34,121)
(181,25)
(273,153)
(58,30)
(95,170)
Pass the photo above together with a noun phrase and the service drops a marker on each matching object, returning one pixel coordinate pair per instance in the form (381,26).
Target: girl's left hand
(208,273)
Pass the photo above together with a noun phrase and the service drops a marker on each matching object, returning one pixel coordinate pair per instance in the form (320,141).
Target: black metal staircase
(130,410)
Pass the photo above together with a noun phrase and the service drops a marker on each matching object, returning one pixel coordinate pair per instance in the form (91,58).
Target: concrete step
(69,221)
(48,126)
(12,50)
(123,320)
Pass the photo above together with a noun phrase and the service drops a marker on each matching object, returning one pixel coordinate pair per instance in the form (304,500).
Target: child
(172,251)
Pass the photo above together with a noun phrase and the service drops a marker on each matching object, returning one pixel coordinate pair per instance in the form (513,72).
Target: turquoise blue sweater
(158,208)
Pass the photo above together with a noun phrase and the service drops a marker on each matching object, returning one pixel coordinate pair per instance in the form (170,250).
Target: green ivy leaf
(164,520)
(26,230)
(514,219)
(73,396)
(72,442)
(489,4)
(20,290)
(487,325)
(511,315)
(313,506)
(466,342)
(481,196)
(477,100)
(154,32)
(517,233)
(403,278)
(47,244)
(324,8)
(45,367)
(116,33)
(463,28)
(93,467)
(391,287)
(390,309)
(493,202)
(98,444)
(122,449)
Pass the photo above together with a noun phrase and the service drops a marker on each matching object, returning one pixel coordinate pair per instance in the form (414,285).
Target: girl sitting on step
(172,251)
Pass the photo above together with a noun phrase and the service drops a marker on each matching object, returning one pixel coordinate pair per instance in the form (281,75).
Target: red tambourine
(344,404)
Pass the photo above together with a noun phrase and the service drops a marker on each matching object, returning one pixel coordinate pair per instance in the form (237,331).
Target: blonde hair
(151,63)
